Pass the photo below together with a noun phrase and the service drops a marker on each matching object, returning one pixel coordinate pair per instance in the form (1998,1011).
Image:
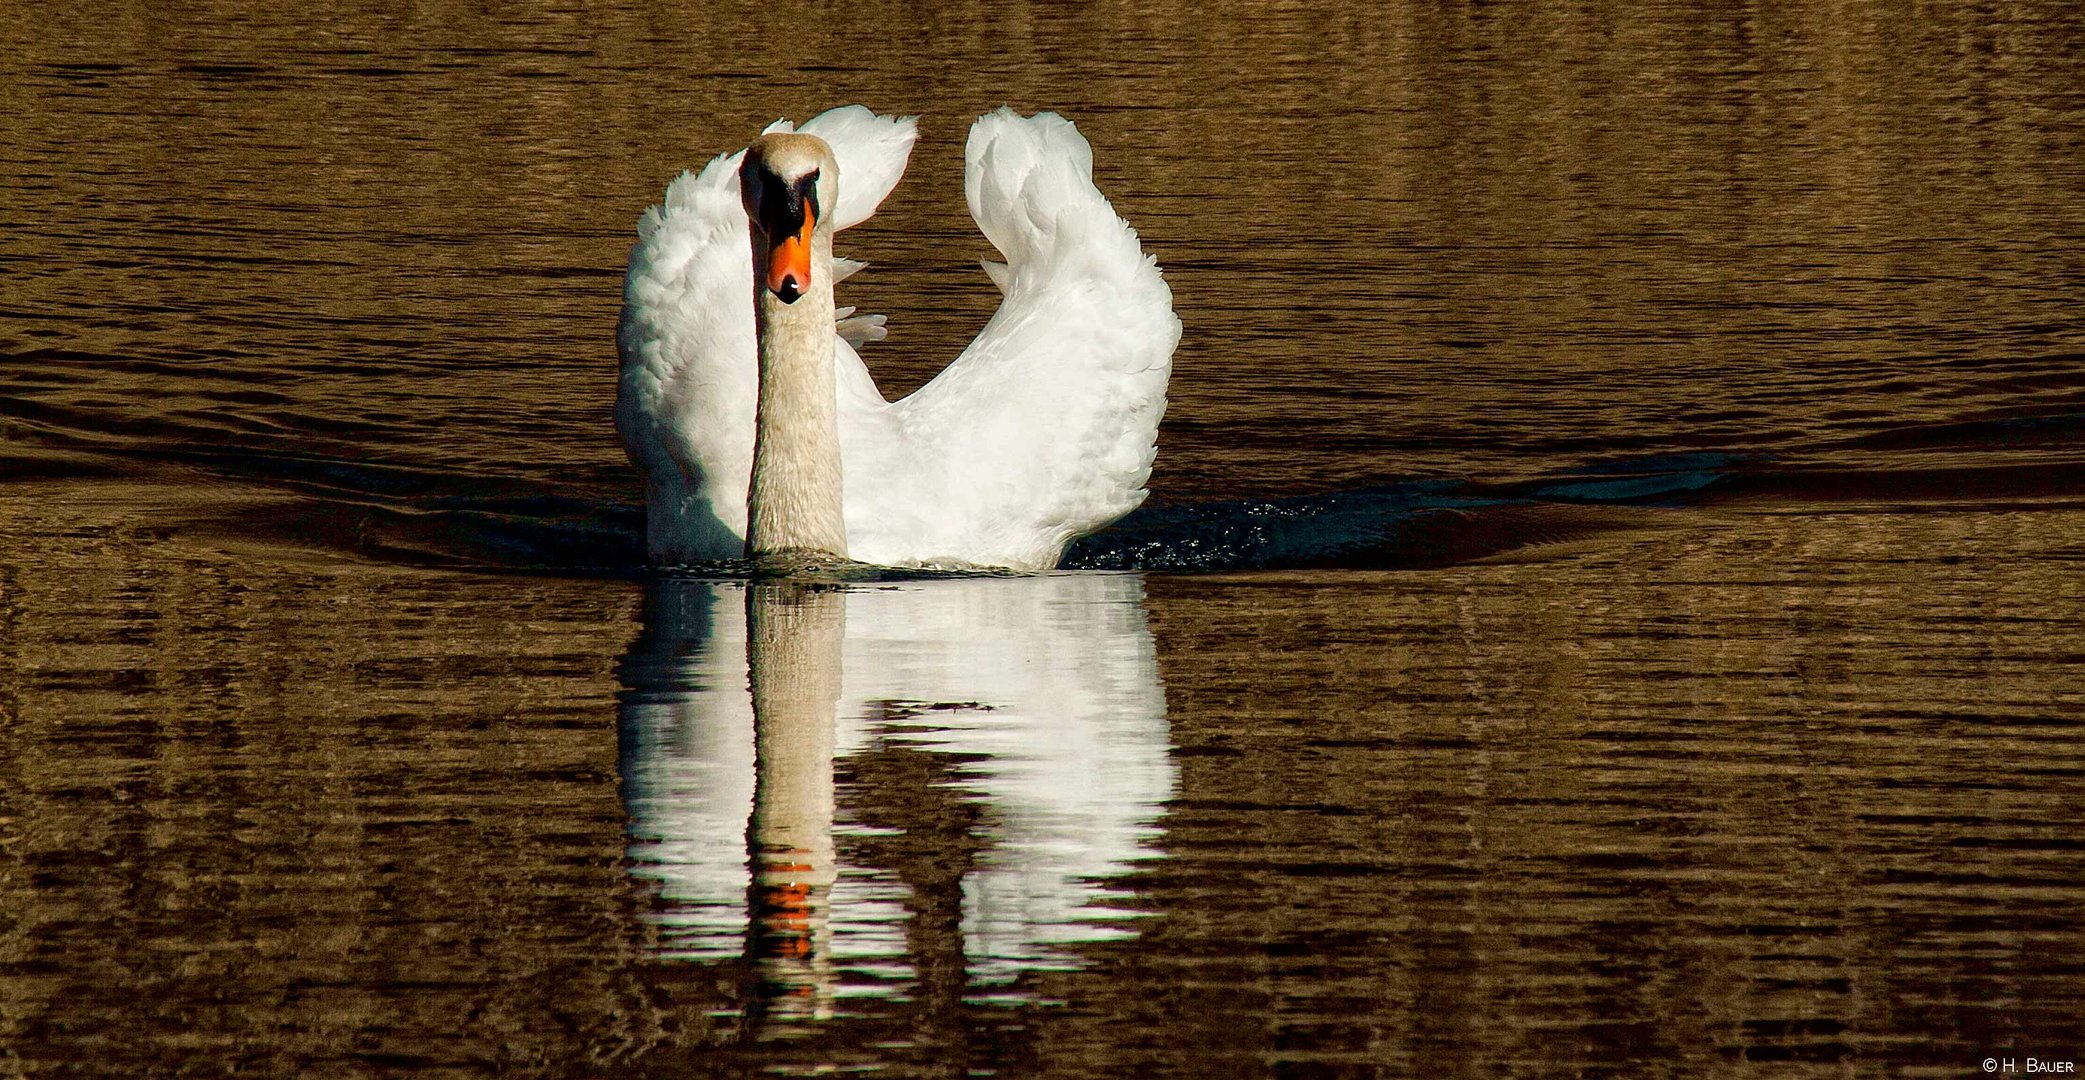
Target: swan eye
(806,193)
(782,206)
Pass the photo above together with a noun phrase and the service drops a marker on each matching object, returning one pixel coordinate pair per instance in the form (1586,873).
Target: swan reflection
(818,777)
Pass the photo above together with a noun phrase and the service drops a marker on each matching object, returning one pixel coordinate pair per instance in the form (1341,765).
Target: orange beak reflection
(789,262)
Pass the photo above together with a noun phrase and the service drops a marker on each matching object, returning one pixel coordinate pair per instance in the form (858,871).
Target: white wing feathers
(686,339)
(876,150)
(1044,429)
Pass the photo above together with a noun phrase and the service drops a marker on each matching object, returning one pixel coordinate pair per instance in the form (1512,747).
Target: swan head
(789,184)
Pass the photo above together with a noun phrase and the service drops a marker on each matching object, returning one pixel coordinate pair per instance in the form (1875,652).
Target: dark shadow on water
(1409,525)
(414,514)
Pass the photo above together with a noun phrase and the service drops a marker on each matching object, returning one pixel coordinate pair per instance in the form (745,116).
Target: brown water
(1645,447)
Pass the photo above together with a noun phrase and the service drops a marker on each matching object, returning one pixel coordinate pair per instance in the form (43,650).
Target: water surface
(1643,451)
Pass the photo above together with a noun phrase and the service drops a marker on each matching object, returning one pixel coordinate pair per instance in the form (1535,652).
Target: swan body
(1041,431)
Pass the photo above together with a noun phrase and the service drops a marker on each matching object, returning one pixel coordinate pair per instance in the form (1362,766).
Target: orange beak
(789,262)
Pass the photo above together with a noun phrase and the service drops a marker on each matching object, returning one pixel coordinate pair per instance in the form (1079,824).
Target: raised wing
(872,151)
(1045,427)
(689,374)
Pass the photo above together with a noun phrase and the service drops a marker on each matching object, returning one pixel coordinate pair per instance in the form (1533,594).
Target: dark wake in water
(416,515)
(1406,525)
(473,520)
(394,515)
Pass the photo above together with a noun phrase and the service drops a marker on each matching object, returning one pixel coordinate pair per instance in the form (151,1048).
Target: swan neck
(793,645)
(794,501)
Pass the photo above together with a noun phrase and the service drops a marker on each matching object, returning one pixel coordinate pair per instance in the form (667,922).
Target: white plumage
(1064,742)
(1043,429)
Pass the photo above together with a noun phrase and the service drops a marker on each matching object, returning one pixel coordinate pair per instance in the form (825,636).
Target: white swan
(1043,429)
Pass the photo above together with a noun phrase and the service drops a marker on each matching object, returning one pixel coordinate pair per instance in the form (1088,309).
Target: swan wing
(872,151)
(1045,427)
(689,379)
